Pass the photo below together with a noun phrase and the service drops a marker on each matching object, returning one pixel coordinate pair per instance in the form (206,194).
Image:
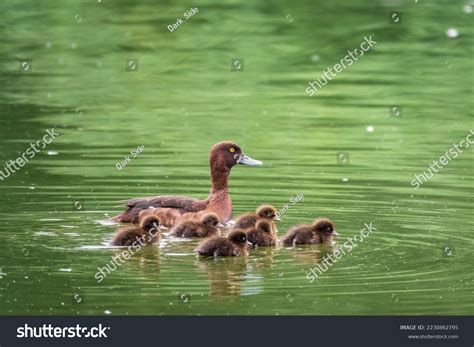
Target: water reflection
(226,275)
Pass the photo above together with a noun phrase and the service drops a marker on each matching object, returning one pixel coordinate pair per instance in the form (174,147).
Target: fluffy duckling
(235,244)
(146,233)
(248,220)
(204,228)
(261,234)
(321,231)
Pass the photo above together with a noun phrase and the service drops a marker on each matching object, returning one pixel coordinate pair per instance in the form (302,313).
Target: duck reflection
(226,275)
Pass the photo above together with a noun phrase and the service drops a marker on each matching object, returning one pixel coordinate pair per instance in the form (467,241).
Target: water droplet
(184,298)
(52,153)
(290,18)
(290,111)
(49,44)
(315,57)
(448,251)
(345,179)
(73,45)
(78,298)
(370,128)
(107,312)
(452,33)
(78,18)
(467,8)
(290,298)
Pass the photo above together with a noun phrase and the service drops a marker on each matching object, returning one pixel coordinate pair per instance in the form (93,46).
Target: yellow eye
(232,150)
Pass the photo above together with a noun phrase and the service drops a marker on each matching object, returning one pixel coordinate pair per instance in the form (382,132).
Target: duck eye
(232,150)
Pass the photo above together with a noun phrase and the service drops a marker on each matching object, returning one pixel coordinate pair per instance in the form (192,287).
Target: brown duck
(222,157)
(261,234)
(250,219)
(146,233)
(207,226)
(321,231)
(235,244)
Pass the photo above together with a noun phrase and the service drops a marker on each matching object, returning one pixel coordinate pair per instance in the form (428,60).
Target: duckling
(235,244)
(261,234)
(248,220)
(191,228)
(145,234)
(321,231)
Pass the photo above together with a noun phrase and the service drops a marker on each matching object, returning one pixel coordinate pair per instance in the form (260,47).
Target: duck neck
(220,180)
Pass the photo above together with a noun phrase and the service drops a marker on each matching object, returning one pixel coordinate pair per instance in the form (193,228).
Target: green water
(183,98)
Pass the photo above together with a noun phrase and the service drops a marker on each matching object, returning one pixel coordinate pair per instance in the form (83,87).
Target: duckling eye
(232,150)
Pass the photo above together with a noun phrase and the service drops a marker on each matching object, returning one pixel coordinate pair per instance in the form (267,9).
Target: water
(341,149)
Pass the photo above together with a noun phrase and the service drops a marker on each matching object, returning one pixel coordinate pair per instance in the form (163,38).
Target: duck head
(324,228)
(267,212)
(211,220)
(226,154)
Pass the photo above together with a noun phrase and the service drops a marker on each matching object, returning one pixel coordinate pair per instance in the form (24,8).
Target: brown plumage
(146,233)
(261,234)
(250,219)
(222,157)
(321,231)
(235,244)
(207,226)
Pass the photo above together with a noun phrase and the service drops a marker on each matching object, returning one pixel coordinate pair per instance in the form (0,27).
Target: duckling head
(267,212)
(150,223)
(211,220)
(238,237)
(324,227)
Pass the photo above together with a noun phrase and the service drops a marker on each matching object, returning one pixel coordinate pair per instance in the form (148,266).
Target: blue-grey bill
(244,160)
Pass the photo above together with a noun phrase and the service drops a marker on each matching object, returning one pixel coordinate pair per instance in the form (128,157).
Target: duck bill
(335,233)
(244,160)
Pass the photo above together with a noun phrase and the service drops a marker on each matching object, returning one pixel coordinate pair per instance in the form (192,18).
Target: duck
(207,226)
(261,234)
(263,212)
(235,244)
(321,231)
(146,233)
(223,156)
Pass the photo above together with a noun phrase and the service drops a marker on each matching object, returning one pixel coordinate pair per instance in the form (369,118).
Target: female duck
(222,157)
(204,228)
(321,231)
(146,233)
(235,244)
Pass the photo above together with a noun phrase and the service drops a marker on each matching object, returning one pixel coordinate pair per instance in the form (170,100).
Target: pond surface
(110,77)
